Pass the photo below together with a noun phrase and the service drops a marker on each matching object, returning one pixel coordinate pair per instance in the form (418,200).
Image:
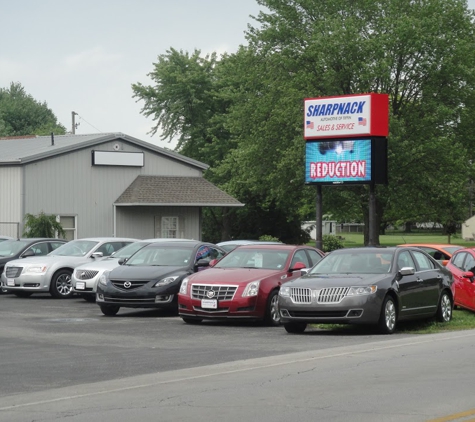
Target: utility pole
(73,128)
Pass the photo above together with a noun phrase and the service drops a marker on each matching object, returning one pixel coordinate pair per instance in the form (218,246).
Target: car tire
(22,294)
(61,286)
(295,327)
(89,298)
(444,310)
(190,320)
(388,318)
(272,316)
(109,310)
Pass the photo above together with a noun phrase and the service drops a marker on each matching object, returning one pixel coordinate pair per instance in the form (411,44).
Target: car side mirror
(122,261)
(201,263)
(469,275)
(298,266)
(213,262)
(97,255)
(445,262)
(407,271)
(28,253)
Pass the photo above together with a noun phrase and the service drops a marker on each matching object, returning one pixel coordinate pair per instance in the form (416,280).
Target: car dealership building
(108,184)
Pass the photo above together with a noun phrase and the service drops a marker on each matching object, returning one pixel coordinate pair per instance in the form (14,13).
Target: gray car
(85,277)
(52,273)
(378,286)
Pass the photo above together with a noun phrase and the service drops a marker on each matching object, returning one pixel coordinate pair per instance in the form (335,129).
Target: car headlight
(103,278)
(184,286)
(165,281)
(362,290)
(36,269)
(284,291)
(252,289)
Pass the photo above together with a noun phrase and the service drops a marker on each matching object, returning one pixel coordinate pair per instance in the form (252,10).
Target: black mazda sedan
(378,286)
(151,277)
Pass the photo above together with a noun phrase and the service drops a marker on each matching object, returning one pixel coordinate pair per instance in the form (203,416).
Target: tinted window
(469,264)
(300,256)
(458,259)
(405,260)
(423,262)
(314,256)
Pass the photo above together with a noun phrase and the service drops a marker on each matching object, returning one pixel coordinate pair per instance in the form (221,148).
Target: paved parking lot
(50,343)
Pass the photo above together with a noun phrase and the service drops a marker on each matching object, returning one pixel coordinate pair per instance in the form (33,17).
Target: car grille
(12,272)
(129,300)
(317,314)
(300,295)
(136,284)
(221,292)
(332,294)
(85,274)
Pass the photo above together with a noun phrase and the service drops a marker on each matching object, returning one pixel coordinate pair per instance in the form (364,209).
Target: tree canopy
(243,113)
(21,114)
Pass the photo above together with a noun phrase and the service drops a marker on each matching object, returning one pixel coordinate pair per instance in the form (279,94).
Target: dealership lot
(49,343)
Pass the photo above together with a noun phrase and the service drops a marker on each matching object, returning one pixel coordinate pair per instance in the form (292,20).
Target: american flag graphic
(362,121)
(309,124)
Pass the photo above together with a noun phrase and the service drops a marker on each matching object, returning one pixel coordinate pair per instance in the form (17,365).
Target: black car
(23,248)
(378,286)
(151,277)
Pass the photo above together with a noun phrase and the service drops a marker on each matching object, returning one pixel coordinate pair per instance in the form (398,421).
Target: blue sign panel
(338,161)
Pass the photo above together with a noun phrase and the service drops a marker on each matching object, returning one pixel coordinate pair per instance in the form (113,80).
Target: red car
(244,283)
(462,267)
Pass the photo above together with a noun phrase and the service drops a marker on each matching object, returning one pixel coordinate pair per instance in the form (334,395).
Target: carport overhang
(173,191)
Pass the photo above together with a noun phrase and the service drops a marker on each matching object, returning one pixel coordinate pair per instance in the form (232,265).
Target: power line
(75,125)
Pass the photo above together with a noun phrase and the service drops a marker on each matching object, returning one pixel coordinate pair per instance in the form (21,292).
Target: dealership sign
(346,116)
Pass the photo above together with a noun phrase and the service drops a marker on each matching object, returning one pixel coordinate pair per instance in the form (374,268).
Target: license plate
(10,282)
(209,304)
(80,285)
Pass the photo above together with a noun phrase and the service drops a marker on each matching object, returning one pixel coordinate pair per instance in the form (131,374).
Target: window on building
(69,224)
(170,227)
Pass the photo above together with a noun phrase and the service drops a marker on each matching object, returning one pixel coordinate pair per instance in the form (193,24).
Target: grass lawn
(398,238)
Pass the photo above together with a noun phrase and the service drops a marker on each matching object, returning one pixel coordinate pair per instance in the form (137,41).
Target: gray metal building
(106,184)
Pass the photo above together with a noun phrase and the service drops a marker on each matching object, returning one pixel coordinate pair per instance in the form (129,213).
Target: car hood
(107,264)
(144,273)
(48,260)
(320,281)
(233,275)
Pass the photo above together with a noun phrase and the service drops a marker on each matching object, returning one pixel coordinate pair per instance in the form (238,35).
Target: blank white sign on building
(117,158)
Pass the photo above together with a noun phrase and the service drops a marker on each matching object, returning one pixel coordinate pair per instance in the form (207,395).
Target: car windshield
(355,262)
(270,259)
(129,250)
(75,248)
(162,256)
(12,247)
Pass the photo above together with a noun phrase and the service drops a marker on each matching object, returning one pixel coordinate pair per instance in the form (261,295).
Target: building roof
(26,149)
(175,191)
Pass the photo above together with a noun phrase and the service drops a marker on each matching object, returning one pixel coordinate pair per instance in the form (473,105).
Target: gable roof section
(175,191)
(23,150)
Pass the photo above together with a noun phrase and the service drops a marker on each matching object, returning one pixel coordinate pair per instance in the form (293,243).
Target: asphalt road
(61,359)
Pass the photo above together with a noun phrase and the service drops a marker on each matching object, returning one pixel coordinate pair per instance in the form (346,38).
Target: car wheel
(388,317)
(190,320)
(272,317)
(22,294)
(295,327)
(89,298)
(444,311)
(61,286)
(109,310)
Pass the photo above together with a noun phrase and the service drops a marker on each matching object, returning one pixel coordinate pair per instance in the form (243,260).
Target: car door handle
(419,280)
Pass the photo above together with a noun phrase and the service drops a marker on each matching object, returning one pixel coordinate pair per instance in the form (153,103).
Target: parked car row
(268,282)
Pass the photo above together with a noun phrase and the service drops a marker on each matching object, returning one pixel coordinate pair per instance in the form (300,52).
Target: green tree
(21,114)
(42,225)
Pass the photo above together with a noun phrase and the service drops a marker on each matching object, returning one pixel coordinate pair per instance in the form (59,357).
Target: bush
(268,238)
(331,243)
(42,225)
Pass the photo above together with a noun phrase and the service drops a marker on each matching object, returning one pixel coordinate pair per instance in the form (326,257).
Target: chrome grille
(221,292)
(136,284)
(85,274)
(301,295)
(332,294)
(12,272)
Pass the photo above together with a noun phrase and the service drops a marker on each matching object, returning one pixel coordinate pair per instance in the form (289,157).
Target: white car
(85,277)
(52,273)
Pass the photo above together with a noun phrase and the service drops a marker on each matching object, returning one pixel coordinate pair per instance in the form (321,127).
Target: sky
(84,56)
